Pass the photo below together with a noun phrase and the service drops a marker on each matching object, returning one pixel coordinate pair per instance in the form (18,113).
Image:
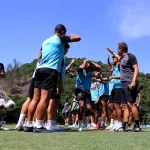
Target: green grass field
(73,140)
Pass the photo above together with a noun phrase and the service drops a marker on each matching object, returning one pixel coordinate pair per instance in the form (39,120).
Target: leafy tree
(25,73)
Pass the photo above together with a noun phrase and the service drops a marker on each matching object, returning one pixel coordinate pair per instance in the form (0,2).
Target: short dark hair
(59,28)
(123,46)
(89,62)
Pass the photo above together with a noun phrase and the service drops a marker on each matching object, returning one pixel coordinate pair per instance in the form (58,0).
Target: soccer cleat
(103,127)
(40,130)
(136,129)
(125,129)
(109,127)
(72,126)
(54,128)
(1,127)
(28,129)
(80,129)
(113,129)
(119,129)
(19,127)
(129,129)
(92,128)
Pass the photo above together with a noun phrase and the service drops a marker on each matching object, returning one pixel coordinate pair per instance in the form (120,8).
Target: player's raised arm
(113,53)
(110,67)
(70,65)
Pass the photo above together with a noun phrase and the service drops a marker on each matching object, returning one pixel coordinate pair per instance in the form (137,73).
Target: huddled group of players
(93,88)
(97,93)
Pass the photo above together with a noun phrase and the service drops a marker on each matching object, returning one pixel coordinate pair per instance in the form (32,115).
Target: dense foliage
(19,75)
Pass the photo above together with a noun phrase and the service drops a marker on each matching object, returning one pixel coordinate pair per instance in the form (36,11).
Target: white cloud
(134,18)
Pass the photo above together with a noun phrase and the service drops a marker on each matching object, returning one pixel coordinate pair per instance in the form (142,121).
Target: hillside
(19,76)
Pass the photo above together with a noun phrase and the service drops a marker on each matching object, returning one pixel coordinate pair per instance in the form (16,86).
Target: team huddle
(94,91)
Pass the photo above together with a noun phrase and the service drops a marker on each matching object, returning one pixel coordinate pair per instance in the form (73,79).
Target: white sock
(39,123)
(22,118)
(89,124)
(102,123)
(33,123)
(119,124)
(80,123)
(112,122)
(93,124)
(51,122)
(116,122)
(29,124)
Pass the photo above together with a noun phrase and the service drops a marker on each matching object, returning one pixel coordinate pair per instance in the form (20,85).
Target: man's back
(126,69)
(52,53)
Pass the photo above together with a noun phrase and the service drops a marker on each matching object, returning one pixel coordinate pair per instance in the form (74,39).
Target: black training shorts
(83,95)
(31,89)
(116,96)
(46,78)
(66,115)
(128,95)
(104,98)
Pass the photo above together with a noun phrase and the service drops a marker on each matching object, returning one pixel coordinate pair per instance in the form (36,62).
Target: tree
(25,73)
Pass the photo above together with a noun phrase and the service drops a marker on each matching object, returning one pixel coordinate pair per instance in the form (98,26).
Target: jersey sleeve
(132,59)
(64,39)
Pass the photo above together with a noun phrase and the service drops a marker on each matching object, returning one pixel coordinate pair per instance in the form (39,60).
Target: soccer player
(52,108)
(83,85)
(137,104)
(65,112)
(95,104)
(128,74)
(24,109)
(115,98)
(75,111)
(46,76)
(104,92)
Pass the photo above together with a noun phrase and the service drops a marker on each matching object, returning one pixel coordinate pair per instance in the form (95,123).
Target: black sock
(137,123)
(129,125)
(125,125)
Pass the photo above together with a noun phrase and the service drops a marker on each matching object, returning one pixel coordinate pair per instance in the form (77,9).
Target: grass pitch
(73,140)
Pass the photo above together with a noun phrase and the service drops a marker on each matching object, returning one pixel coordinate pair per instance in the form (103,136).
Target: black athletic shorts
(46,78)
(83,95)
(116,96)
(104,98)
(31,89)
(66,115)
(96,106)
(75,112)
(128,95)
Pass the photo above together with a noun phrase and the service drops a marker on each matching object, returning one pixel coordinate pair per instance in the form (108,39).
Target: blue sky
(26,24)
